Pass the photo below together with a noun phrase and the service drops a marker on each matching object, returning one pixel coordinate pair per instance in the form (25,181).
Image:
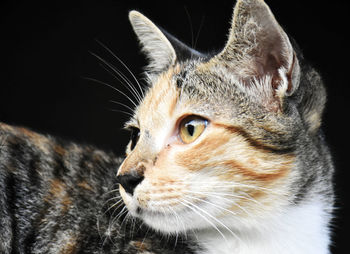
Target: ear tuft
(157,47)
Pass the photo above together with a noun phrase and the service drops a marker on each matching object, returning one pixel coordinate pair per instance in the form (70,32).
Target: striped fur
(261,161)
(61,197)
(258,179)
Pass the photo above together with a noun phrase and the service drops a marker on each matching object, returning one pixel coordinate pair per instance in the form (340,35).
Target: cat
(226,155)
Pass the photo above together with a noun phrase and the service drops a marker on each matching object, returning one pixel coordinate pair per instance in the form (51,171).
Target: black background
(45,57)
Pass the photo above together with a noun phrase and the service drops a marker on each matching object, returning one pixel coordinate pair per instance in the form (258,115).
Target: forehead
(160,101)
(191,88)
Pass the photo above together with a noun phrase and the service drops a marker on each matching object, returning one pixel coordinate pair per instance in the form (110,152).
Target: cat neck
(301,229)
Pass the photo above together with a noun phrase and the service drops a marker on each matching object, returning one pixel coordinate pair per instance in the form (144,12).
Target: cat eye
(191,128)
(134,137)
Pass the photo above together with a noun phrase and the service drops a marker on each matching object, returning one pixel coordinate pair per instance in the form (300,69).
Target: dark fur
(58,202)
(59,197)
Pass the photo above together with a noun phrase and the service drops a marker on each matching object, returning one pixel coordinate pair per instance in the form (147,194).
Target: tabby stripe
(10,202)
(255,143)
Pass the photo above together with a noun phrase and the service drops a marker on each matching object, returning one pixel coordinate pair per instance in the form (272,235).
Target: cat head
(214,140)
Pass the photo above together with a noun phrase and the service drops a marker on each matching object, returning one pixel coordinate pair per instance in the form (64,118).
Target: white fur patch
(297,230)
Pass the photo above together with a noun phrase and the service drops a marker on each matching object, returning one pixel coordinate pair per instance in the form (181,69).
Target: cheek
(160,191)
(206,154)
(229,163)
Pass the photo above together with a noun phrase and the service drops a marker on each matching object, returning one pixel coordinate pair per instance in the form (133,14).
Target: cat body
(61,197)
(226,156)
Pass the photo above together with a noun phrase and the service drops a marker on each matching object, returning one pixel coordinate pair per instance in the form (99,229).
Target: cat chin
(166,224)
(177,221)
(170,223)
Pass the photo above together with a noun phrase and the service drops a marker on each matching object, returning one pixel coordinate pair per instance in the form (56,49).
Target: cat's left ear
(162,49)
(260,54)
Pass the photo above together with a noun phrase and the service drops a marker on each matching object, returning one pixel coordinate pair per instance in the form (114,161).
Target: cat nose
(129,182)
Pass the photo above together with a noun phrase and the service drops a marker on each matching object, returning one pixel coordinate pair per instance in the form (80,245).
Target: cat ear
(158,49)
(162,49)
(259,51)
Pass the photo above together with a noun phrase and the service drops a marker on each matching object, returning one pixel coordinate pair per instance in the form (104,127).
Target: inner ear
(256,41)
(161,48)
(258,52)
(155,45)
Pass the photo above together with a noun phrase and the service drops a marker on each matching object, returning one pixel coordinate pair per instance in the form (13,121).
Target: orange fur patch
(162,96)
(227,149)
(85,185)
(59,150)
(58,194)
(199,155)
(70,247)
(142,246)
(236,168)
(39,140)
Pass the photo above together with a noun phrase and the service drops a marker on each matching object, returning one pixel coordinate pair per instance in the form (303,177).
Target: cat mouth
(142,212)
(185,214)
(166,222)
(174,220)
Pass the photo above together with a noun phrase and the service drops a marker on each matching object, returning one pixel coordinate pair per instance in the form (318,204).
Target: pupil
(190,129)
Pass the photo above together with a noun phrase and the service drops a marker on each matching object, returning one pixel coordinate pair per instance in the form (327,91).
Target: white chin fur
(170,223)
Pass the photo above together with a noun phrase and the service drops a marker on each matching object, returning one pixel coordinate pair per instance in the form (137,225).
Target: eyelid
(132,123)
(180,119)
(131,128)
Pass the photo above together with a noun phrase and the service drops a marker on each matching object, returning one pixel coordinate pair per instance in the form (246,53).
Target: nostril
(129,182)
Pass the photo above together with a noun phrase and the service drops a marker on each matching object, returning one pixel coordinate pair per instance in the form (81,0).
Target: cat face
(198,169)
(213,143)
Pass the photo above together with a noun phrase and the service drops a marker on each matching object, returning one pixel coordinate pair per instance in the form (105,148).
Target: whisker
(133,224)
(121,213)
(211,216)
(227,184)
(125,219)
(111,223)
(110,86)
(191,26)
(210,203)
(110,199)
(128,85)
(122,111)
(109,192)
(122,104)
(144,238)
(125,66)
(179,220)
(199,30)
(205,218)
(217,195)
(116,206)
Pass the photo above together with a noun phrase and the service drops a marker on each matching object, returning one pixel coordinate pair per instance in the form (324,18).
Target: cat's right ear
(158,49)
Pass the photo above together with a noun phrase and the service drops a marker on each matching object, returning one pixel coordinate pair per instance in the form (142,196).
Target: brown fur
(69,246)
(58,194)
